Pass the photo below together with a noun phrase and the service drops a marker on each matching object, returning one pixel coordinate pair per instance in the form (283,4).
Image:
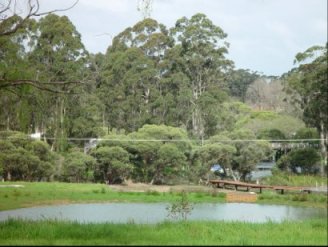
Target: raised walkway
(237,185)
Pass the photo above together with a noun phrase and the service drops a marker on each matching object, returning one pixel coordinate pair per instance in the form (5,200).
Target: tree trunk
(8,122)
(323,145)
(8,176)
(197,123)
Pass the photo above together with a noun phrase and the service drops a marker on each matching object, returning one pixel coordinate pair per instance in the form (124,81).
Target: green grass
(284,178)
(293,199)
(33,194)
(40,193)
(20,232)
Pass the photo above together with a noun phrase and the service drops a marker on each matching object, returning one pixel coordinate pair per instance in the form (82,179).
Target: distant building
(263,169)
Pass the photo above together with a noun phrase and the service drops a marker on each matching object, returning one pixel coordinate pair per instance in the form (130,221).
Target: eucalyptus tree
(16,18)
(132,71)
(201,50)
(59,56)
(307,84)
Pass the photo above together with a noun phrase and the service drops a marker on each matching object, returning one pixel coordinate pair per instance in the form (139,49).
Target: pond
(156,212)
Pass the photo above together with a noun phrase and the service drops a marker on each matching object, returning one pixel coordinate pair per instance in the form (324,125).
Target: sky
(264,35)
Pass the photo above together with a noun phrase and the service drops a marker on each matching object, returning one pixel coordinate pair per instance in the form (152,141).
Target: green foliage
(249,153)
(156,163)
(152,83)
(307,159)
(271,134)
(263,115)
(239,82)
(214,153)
(77,167)
(24,159)
(307,133)
(113,164)
(179,210)
(287,125)
(308,88)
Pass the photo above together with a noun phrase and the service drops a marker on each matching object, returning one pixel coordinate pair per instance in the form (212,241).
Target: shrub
(181,208)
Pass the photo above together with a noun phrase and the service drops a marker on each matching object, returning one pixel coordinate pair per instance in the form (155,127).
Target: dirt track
(142,187)
(232,195)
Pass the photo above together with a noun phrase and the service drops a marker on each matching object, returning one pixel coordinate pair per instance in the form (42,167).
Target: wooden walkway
(248,186)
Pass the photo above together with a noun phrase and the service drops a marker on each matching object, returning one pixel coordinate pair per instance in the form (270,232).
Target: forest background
(167,102)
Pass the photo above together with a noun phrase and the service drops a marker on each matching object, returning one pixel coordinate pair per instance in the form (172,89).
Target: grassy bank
(293,199)
(284,178)
(18,232)
(34,194)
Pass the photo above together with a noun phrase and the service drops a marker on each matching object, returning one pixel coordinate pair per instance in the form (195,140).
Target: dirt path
(142,187)
(232,195)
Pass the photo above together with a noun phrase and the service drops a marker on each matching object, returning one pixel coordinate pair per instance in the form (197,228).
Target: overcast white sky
(264,35)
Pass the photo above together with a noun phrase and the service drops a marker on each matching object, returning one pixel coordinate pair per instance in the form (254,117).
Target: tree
(307,133)
(25,159)
(16,20)
(78,167)
(248,153)
(131,77)
(113,164)
(239,82)
(259,121)
(171,162)
(148,145)
(214,153)
(266,93)
(60,56)
(308,82)
(307,159)
(200,54)
(271,134)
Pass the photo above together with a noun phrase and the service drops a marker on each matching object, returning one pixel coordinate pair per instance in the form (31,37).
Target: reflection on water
(156,212)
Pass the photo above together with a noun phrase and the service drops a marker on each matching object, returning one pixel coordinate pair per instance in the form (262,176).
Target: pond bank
(50,193)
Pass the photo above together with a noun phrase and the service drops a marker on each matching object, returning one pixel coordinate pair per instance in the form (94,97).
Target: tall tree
(132,71)
(309,84)
(60,56)
(15,21)
(201,53)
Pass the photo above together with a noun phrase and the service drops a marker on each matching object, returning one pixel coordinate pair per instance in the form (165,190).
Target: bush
(307,159)
(271,134)
(180,209)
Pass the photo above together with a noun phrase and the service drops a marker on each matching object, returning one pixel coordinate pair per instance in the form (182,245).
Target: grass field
(306,233)
(34,194)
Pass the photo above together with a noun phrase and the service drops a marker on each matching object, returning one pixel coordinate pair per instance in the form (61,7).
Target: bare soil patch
(232,195)
(143,187)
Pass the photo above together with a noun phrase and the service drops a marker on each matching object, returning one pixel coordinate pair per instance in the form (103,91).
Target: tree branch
(32,12)
(36,84)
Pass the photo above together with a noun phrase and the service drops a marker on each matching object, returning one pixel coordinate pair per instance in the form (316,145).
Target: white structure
(36,135)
